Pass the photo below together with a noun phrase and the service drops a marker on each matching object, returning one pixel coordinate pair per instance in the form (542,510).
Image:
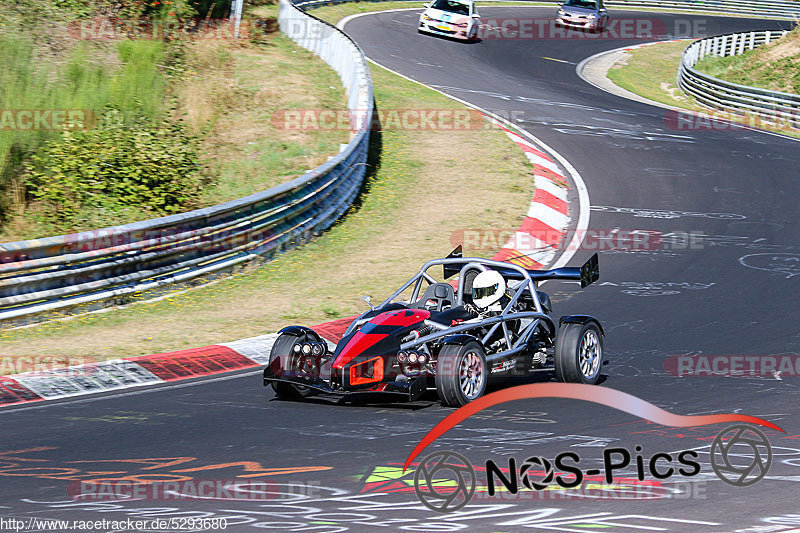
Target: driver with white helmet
(488,293)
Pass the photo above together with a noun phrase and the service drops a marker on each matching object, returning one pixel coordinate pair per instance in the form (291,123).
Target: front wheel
(284,346)
(461,374)
(579,353)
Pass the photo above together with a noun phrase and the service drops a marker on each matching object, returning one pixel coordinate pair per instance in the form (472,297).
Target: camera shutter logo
(445,481)
(542,464)
(729,453)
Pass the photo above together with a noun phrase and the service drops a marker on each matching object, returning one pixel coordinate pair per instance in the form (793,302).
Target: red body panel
(362,341)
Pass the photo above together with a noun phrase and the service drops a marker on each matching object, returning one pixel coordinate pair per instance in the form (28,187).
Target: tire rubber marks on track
(664,214)
(539,101)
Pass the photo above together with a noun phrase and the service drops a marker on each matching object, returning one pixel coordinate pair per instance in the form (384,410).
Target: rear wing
(586,274)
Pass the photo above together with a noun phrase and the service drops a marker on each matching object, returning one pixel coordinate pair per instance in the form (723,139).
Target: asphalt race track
(336,467)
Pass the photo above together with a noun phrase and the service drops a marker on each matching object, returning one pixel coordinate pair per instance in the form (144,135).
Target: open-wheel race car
(492,321)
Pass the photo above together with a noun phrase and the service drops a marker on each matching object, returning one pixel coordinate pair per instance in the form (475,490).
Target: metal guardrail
(774,106)
(777,9)
(90,268)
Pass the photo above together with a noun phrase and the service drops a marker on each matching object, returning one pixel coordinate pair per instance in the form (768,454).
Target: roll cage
(521,281)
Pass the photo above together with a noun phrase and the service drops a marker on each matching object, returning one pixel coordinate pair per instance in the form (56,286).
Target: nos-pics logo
(446,481)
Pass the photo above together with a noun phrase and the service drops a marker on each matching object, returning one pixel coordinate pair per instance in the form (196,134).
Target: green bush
(115,166)
(82,77)
(40,10)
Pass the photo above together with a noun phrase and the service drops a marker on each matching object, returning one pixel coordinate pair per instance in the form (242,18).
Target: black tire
(452,385)
(579,353)
(283,346)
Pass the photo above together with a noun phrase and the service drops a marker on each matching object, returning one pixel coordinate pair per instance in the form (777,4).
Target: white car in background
(454,18)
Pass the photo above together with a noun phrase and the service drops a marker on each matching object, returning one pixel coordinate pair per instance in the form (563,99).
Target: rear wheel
(461,374)
(579,353)
(284,346)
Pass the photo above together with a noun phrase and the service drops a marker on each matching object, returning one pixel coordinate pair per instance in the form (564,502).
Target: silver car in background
(583,14)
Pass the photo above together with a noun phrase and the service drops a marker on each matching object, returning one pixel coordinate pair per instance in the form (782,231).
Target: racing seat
(452,316)
(437,296)
(544,299)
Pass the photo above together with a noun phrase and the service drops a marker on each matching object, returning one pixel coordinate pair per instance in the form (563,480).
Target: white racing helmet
(487,288)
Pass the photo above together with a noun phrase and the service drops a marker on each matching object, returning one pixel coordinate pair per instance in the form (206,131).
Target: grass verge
(651,72)
(428,185)
(774,66)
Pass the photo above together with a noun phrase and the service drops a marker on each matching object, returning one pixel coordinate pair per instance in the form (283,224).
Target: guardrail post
(720,94)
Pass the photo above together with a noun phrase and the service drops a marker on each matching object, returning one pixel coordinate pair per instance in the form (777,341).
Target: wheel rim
(471,375)
(589,354)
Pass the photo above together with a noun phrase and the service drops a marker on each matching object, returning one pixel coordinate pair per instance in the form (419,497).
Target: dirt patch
(789,47)
(673,91)
(622,61)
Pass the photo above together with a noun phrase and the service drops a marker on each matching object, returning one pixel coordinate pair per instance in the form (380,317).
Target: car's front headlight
(592,16)
(562,12)
(426,17)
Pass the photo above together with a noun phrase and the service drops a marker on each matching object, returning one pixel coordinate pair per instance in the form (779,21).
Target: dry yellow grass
(229,96)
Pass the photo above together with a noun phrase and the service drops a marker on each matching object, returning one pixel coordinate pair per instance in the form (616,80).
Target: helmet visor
(483,292)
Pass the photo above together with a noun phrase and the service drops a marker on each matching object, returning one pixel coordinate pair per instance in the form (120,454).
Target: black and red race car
(425,336)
